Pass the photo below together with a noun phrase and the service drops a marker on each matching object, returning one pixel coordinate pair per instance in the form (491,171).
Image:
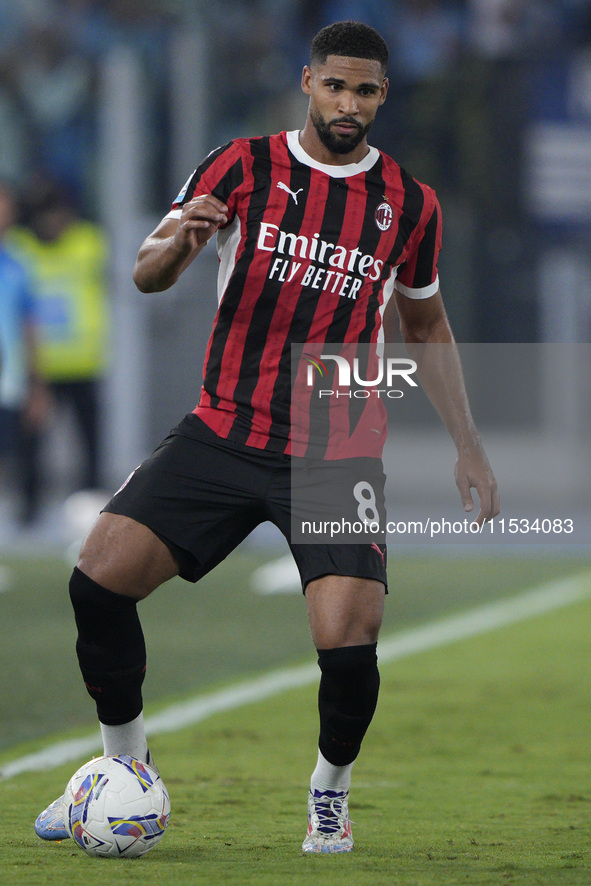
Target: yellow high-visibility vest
(71,299)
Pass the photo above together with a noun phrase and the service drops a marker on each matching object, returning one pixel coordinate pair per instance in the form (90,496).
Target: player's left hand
(473,470)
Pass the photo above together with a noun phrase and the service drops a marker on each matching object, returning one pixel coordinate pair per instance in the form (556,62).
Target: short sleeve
(418,277)
(220,174)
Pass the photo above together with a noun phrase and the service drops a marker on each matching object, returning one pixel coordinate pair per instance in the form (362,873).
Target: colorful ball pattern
(116,807)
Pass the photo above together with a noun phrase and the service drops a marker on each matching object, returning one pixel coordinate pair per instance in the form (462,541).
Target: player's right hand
(200,219)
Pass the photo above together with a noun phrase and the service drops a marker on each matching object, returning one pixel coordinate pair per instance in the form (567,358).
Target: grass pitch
(206,635)
(476,768)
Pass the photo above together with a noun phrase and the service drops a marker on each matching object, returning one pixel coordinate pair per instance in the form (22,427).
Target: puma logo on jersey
(284,187)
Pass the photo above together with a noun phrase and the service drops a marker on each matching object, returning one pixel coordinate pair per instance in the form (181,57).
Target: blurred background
(106,107)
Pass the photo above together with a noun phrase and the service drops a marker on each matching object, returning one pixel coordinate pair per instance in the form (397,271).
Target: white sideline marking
(479,620)
(280,576)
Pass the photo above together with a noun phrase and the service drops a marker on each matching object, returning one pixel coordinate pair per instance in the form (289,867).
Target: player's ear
(384,90)
(307,76)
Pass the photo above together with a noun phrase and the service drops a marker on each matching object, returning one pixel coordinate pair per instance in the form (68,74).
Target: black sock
(110,647)
(347,700)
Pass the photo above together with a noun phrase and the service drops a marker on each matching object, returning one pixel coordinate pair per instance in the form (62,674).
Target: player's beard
(338,144)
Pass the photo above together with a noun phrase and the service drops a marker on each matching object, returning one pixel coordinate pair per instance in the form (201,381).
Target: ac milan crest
(384,216)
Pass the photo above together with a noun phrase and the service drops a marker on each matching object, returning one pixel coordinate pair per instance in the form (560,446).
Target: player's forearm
(442,378)
(160,263)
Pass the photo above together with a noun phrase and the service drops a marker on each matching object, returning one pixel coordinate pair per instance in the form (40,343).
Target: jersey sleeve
(220,174)
(418,277)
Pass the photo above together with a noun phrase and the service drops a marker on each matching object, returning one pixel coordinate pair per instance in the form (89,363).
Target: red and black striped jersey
(309,255)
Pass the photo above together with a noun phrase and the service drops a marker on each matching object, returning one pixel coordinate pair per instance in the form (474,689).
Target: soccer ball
(116,806)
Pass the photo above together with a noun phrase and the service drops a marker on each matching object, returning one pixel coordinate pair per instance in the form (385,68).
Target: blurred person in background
(67,259)
(23,397)
(53,80)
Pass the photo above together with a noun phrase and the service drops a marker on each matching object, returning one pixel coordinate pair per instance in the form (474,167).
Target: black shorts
(203,495)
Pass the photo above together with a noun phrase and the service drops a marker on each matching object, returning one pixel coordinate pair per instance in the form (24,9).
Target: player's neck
(310,142)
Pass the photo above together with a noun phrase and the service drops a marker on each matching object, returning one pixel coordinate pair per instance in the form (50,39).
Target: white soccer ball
(116,806)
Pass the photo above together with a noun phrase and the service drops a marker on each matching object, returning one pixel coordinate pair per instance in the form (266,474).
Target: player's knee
(109,629)
(345,611)
(350,633)
(103,553)
(366,633)
(126,557)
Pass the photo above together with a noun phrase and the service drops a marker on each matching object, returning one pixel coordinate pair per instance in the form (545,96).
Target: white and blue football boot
(329,826)
(50,824)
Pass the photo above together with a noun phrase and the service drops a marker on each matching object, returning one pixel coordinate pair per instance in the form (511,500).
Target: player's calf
(347,700)
(110,647)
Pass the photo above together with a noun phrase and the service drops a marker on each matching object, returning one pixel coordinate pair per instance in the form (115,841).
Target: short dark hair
(353,39)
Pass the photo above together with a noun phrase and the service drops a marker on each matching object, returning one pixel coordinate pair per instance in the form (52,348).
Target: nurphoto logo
(387,371)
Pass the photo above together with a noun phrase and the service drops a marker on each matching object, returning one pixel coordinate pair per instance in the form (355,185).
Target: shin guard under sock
(347,700)
(110,647)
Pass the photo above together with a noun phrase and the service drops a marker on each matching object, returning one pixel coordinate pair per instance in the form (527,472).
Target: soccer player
(318,234)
